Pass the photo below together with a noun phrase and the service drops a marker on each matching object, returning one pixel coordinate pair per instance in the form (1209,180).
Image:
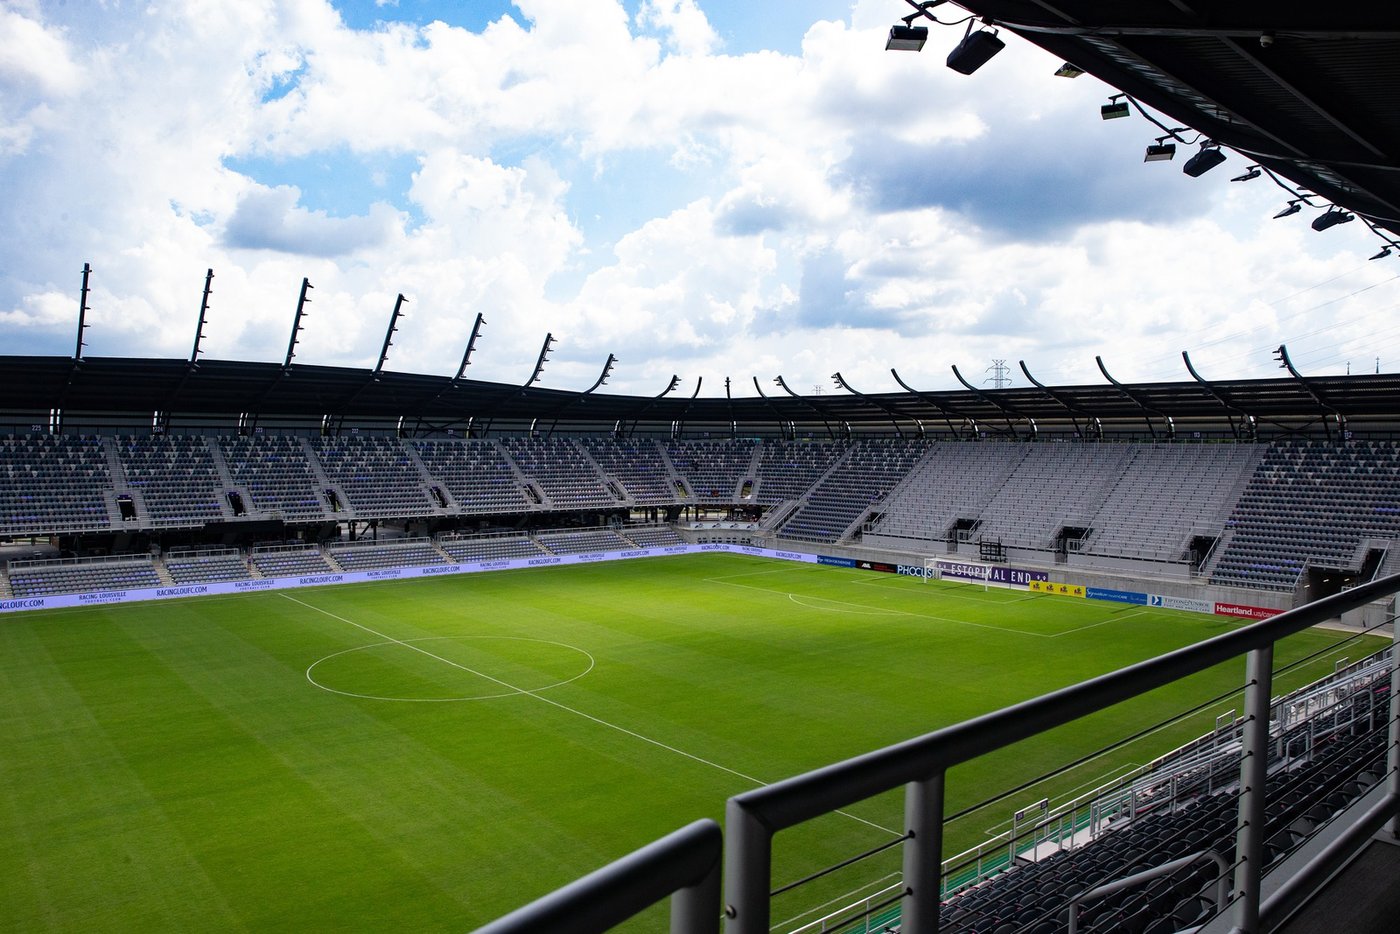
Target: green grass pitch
(427,755)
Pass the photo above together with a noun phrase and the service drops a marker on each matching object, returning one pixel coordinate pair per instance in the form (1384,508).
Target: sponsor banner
(1060,590)
(1117,596)
(880,566)
(1015,577)
(1244,610)
(430,570)
(261,584)
(26,603)
(1190,604)
(836,562)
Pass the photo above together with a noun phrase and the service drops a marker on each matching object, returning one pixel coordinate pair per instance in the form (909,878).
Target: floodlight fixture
(1115,108)
(1161,151)
(1332,218)
(974,51)
(1068,70)
(1294,207)
(1202,162)
(906,38)
(1385,251)
(1250,174)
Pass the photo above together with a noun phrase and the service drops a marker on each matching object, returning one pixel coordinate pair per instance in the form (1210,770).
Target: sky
(711,190)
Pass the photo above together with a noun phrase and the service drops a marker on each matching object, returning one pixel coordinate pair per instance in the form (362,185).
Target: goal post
(961,572)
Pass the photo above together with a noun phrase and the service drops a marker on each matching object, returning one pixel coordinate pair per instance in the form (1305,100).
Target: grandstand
(1252,515)
(1255,523)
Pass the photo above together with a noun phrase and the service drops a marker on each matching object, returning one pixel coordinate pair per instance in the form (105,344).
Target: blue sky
(710,189)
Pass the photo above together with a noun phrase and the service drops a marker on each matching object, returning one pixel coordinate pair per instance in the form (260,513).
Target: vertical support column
(748,870)
(1254,765)
(1392,752)
(923,855)
(693,908)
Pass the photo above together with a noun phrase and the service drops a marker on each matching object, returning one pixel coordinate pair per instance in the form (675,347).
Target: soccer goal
(962,572)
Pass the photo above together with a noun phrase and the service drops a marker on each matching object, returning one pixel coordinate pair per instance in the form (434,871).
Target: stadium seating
(1310,502)
(713,470)
(53,482)
(869,472)
(1343,758)
(277,474)
(565,475)
(582,542)
(1274,509)
(788,469)
(379,478)
(637,466)
(174,477)
(82,575)
(289,561)
(476,473)
(655,536)
(372,555)
(473,548)
(206,566)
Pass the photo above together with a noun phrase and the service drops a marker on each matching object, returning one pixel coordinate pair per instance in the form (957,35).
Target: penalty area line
(565,707)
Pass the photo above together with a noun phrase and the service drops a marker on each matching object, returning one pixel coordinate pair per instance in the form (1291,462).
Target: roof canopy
(226,393)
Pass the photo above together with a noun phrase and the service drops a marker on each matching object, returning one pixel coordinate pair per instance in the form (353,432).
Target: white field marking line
(868,611)
(854,893)
(572,710)
(884,580)
(864,606)
(1113,618)
(1126,767)
(592,662)
(724,577)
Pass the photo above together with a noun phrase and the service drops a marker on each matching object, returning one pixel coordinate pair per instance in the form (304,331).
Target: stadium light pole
(82,311)
(302,301)
(203,315)
(471,345)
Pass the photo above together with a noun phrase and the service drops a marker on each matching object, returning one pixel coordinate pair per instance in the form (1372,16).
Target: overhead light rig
(977,47)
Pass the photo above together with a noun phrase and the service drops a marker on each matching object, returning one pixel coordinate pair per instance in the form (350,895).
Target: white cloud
(687,28)
(271,219)
(842,208)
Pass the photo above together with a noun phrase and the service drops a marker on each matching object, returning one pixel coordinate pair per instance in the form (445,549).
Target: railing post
(695,908)
(1254,769)
(923,856)
(1392,752)
(748,871)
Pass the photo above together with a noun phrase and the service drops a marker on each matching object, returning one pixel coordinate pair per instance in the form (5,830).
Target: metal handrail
(753,817)
(683,864)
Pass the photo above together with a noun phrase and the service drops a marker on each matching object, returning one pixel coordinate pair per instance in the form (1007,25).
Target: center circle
(413,671)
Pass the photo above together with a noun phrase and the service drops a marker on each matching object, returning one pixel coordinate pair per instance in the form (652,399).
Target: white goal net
(962,572)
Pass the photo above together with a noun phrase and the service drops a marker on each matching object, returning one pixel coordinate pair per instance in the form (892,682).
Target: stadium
(289,645)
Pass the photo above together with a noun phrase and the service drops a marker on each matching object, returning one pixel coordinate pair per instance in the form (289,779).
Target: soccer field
(426,755)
